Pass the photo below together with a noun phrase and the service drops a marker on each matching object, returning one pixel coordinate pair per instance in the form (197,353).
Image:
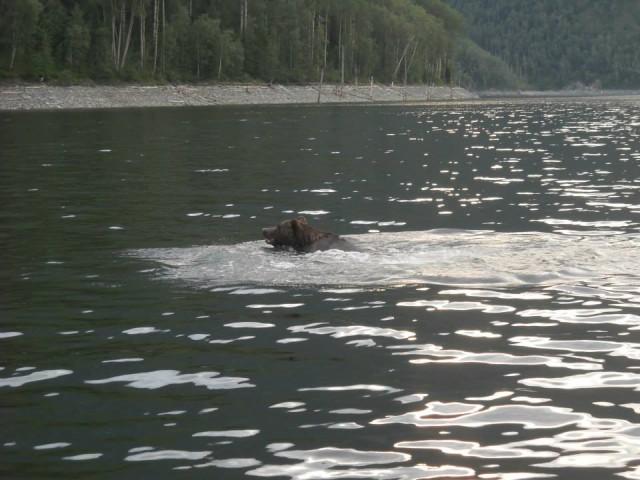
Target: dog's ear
(302,220)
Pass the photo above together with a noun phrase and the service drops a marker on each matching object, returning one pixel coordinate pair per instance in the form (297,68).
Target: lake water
(488,328)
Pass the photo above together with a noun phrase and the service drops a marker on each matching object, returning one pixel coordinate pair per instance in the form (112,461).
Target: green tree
(19,20)
(206,37)
(77,38)
(51,31)
(45,43)
(231,57)
(260,52)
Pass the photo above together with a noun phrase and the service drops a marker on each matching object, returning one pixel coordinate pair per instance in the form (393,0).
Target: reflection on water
(487,328)
(447,257)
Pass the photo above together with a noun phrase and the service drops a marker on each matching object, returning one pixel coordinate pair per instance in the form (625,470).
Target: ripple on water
(332,462)
(83,457)
(21,380)
(167,455)
(430,353)
(162,378)
(10,334)
(228,433)
(588,380)
(475,416)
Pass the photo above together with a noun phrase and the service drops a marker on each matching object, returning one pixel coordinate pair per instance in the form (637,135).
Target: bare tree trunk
(114,36)
(128,42)
(14,46)
(220,62)
(326,37)
(340,41)
(402,57)
(291,56)
(342,72)
(198,61)
(155,35)
(164,18)
(312,34)
(143,19)
(244,15)
(120,27)
(321,80)
(353,48)
(407,65)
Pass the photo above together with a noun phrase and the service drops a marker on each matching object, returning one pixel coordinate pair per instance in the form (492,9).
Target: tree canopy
(240,40)
(478,44)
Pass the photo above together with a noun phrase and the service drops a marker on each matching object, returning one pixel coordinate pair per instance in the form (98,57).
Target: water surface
(488,328)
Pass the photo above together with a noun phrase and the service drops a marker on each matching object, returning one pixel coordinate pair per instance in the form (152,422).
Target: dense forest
(410,41)
(559,43)
(480,44)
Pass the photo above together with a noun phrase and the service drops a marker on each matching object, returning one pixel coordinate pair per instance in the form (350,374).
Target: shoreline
(515,94)
(46,97)
(37,96)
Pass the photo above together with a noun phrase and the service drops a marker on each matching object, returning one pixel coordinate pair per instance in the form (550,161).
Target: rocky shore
(46,97)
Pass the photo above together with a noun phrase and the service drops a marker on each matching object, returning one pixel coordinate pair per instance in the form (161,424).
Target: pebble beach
(47,97)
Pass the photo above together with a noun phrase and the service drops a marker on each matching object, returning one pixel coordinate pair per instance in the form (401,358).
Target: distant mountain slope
(560,43)
(477,69)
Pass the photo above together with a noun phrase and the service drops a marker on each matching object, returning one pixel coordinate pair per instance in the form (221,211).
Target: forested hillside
(480,44)
(410,41)
(560,43)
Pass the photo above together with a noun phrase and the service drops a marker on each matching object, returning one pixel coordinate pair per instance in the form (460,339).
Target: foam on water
(441,257)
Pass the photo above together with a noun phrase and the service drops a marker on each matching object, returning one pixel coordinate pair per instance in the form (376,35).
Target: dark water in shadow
(488,328)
